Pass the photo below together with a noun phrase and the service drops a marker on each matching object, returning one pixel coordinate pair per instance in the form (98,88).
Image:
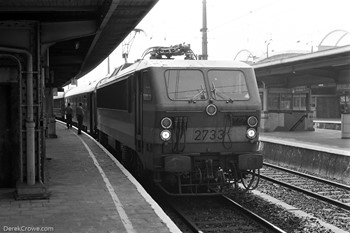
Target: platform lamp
(267,42)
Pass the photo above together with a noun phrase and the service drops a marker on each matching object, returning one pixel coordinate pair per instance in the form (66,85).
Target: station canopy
(321,67)
(79,33)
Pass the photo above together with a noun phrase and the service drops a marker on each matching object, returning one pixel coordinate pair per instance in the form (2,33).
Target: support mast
(204,33)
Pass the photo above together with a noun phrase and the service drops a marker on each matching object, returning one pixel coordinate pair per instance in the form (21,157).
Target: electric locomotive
(193,125)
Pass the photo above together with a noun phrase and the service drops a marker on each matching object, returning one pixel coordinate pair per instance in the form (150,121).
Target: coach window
(146,88)
(185,85)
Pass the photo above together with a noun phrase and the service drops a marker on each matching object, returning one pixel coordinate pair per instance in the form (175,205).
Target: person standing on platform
(69,115)
(80,117)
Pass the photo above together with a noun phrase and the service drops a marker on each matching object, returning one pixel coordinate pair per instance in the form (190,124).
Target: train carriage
(58,106)
(83,94)
(192,123)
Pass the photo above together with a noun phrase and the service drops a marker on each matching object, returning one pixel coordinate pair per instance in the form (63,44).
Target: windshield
(228,85)
(185,85)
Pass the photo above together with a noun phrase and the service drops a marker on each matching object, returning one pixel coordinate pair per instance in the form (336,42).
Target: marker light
(251,133)
(252,121)
(166,123)
(211,109)
(165,135)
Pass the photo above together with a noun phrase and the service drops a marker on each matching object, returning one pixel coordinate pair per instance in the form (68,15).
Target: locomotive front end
(208,127)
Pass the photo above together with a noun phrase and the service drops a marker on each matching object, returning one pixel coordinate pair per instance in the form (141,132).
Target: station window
(287,101)
(273,101)
(299,101)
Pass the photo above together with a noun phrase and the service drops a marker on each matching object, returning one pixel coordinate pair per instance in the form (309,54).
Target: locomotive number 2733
(209,134)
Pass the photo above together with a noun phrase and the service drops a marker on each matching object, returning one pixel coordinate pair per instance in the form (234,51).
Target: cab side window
(146,87)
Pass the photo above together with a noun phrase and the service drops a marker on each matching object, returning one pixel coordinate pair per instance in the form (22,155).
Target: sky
(233,26)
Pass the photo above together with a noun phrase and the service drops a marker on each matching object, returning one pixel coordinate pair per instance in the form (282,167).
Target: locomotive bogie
(186,163)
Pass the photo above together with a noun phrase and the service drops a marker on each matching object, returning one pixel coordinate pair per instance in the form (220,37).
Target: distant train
(59,106)
(191,125)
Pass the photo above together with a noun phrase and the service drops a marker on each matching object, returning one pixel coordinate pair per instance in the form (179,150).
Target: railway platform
(89,192)
(322,152)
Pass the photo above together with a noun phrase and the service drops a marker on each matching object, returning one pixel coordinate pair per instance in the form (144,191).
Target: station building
(297,89)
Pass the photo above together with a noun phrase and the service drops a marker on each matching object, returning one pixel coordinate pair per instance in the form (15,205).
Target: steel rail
(309,193)
(254,216)
(343,186)
(190,224)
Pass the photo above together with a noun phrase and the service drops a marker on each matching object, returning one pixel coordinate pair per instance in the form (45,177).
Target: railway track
(219,214)
(327,191)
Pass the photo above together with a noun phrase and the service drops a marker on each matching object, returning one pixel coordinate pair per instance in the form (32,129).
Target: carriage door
(5,137)
(138,113)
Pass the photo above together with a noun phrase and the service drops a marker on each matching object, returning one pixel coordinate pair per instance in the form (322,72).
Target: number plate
(218,134)
(208,135)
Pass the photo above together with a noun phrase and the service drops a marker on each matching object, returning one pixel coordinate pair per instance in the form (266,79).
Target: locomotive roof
(167,63)
(83,89)
(184,64)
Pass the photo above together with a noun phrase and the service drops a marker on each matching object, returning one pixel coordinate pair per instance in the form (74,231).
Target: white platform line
(157,209)
(123,216)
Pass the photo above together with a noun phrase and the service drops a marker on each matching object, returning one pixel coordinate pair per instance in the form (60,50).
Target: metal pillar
(30,124)
(204,33)
(50,117)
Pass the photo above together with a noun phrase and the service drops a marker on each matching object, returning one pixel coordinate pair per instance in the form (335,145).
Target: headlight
(251,133)
(252,121)
(166,123)
(165,135)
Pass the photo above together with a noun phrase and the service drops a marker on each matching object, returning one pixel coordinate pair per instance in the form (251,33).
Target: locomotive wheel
(221,180)
(250,179)
(233,180)
(132,161)
(218,183)
(126,157)
(198,176)
(118,151)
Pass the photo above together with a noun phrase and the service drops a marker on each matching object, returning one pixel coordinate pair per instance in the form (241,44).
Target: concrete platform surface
(90,192)
(323,140)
